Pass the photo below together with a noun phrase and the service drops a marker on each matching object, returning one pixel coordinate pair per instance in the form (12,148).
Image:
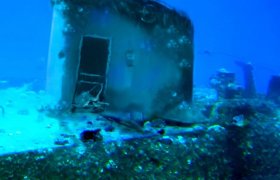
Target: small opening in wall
(91,82)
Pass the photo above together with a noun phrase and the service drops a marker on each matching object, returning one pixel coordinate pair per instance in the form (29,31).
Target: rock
(88,135)
(61,141)
(166,140)
(109,128)
(239,121)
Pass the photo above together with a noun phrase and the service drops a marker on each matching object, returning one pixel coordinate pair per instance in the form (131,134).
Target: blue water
(244,30)
(225,31)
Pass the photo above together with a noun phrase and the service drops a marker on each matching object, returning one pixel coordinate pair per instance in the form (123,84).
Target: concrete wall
(154,69)
(56,63)
(151,70)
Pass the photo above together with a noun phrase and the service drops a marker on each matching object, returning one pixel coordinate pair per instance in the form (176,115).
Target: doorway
(92,80)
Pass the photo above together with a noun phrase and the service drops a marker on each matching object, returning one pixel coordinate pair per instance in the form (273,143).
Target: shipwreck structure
(120,55)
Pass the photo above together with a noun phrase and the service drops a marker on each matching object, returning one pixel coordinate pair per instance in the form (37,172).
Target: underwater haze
(224,32)
(25,34)
(140,89)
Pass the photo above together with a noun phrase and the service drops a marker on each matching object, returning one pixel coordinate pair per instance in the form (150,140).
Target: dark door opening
(91,82)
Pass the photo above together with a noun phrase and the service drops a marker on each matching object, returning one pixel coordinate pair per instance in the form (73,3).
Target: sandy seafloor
(238,139)
(24,126)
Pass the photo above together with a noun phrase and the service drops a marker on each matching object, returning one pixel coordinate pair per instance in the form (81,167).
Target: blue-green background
(228,30)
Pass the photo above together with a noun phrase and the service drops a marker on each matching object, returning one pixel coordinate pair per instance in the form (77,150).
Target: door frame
(109,39)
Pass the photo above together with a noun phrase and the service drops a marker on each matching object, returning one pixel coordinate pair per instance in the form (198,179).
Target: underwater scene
(140,89)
